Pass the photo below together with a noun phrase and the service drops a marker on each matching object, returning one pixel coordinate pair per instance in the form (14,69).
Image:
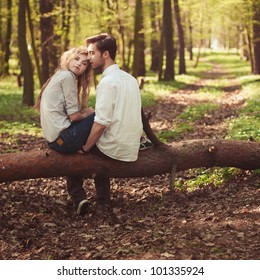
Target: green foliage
(177,133)
(230,63)
(212,177)
(197,111)
(246,126)
(156,89)
(15,117)
(199,71)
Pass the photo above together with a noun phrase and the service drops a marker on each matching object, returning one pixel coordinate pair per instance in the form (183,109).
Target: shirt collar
(110,69)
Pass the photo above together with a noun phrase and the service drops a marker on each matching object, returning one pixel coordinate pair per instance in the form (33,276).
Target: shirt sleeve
(69,89)
(105,100)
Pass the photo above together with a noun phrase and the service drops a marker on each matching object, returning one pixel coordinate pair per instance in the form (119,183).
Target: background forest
(198,64)
(153,35)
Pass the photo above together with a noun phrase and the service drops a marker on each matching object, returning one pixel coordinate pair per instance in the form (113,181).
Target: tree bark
(168,37)
(256,35)
(139,44)
(7,41)
(154,161)
(26,64)
(155,47)
(34,48)
(182,65)
(49,53)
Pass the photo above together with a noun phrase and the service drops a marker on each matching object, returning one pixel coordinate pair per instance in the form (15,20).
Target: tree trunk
(168,36)
(121,35)
(185,154)
(141,68)
(256,35)
(26,64)
(48,52)
(7,41)
(201,38)
(161,56)
(65,23)
(155,50)
(34,48)
(182,66)
(249,47)
(138,63)
(1,41)
(190,39)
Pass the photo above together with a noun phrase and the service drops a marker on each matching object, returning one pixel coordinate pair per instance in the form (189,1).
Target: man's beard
(98,70)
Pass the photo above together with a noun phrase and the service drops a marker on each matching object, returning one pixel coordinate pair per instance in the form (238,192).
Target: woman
(65,118)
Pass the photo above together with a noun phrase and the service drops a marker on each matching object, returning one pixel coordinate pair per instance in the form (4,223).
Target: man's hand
(96,131)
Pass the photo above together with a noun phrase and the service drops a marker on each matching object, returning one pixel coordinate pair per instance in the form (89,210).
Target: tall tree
(182,65)
(1,38)
(155,48)
(26,64)
(256,35)
(139,44)
(189,27)
(48,50)
(168,38)
(7,39)
(117,11)
(66,6)
(200,44)
(33,44)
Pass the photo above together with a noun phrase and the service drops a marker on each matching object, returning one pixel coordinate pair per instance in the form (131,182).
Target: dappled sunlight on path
(216,87)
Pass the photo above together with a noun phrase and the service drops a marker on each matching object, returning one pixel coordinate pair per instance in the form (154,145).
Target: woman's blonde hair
(83,81)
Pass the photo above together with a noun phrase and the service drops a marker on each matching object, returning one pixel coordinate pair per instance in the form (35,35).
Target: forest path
(213,124)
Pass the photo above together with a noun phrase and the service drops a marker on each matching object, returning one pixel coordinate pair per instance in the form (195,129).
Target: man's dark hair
(104,42)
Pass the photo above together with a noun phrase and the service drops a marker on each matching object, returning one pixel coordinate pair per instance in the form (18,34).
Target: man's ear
(106,54)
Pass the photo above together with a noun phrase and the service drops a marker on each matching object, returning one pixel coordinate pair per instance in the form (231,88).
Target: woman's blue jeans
(74,137)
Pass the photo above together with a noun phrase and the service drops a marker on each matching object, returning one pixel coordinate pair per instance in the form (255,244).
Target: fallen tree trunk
(155,161)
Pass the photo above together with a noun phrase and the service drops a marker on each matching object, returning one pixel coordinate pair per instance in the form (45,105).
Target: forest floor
(147,221)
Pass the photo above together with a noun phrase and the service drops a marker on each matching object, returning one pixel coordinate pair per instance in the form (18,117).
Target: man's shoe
(82,207)
(145,144)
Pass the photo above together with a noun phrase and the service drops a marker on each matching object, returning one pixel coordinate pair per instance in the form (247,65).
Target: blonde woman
(65,118)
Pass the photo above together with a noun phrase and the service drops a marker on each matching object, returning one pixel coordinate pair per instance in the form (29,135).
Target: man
(117,127)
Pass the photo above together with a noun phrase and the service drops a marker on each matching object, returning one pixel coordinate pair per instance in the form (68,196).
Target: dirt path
(37,220)
(212,125)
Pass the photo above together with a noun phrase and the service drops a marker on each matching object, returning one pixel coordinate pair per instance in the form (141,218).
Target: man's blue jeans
(74,137)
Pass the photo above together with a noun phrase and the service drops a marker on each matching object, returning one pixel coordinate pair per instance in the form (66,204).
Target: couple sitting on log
(113,130)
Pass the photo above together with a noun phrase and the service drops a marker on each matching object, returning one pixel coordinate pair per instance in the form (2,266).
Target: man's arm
(95,133)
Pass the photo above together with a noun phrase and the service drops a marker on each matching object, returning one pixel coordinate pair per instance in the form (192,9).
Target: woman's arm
(78,116)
